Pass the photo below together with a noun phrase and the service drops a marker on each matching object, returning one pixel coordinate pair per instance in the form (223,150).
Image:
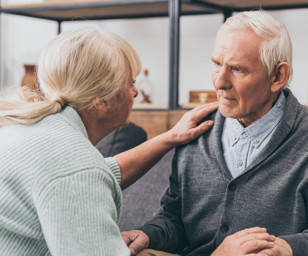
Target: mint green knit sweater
(58,195)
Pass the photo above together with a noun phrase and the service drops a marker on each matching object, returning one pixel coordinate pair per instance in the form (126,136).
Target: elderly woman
(58,195)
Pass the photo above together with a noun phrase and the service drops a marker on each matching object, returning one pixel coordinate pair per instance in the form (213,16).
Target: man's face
(239,76)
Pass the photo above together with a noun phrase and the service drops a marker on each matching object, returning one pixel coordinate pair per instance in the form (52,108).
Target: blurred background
(22,39)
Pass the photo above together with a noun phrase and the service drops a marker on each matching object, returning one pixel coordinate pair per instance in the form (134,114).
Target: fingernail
(210,122)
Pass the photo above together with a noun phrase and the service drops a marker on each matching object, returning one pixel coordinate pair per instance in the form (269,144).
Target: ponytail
(76,67)
(27,107)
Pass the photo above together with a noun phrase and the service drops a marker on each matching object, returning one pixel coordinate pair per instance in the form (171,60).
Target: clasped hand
(248,242)
(136,240)
(253,242)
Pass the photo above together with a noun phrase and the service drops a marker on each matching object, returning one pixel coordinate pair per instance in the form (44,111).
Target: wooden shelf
(239,5)
(106,9)
(70,10)
(142,106)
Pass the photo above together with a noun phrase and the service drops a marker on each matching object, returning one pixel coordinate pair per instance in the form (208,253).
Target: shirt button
(232,187)
(233,137)
(245,134)
(224,228)
(256,141)
(239,163)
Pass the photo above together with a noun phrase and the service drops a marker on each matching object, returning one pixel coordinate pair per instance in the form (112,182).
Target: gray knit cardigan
(204,204)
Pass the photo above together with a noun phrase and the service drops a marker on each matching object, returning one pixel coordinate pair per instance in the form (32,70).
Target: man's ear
(280,76)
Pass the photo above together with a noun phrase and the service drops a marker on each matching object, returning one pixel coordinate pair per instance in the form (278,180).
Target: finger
(246,231)
(126,240)
(125,237)
(200,112)
(257,236)
(204,110)
(256,245)
(203,127)
(130,236)
(254,254)
(207,105)
(136,248)
(140,242)
(267,252)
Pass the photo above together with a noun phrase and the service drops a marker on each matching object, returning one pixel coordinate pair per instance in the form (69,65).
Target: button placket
(224,228)
(232,187)
(256,141)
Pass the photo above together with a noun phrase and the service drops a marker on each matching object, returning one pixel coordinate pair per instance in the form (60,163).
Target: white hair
(76,67)
(276,46)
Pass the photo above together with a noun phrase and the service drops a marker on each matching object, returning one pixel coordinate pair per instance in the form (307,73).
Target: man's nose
(222,79)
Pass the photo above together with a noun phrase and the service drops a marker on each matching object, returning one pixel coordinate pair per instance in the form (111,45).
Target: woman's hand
(190,126)
(137,161)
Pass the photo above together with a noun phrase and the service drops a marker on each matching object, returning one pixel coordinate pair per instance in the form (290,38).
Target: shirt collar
(259,130)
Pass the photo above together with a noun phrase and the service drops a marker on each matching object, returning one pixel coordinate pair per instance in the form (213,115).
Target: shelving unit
(69,10)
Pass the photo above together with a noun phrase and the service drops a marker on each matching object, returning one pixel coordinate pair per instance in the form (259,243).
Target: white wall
(23,38)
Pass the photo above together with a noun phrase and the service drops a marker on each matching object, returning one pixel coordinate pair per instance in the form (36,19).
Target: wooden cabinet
(156,122)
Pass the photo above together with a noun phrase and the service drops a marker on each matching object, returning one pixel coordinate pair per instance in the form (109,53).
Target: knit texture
(204,204)
(58,195)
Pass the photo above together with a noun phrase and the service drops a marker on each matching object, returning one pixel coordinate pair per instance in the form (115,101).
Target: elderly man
(242,188)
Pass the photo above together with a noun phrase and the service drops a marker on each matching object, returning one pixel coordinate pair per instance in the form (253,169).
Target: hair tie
(59,99)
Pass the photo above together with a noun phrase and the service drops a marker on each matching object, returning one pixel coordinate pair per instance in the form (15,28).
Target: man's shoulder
(204,139)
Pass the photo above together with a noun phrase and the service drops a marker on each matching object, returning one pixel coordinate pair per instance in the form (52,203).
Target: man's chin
(227,111)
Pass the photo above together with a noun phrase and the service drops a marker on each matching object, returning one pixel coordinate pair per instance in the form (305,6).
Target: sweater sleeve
(79,213)
(298,242)
(166,230)
(114,167)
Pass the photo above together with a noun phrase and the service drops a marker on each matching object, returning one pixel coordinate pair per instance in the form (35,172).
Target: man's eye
(216,66)
(237,69)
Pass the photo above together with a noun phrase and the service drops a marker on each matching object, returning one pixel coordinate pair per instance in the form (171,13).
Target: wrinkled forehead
(235,44)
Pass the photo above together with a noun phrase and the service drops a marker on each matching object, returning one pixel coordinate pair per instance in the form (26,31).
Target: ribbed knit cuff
(114,167)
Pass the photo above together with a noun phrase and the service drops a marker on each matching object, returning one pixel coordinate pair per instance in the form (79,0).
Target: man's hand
(247,242)
(136,240)
(280,248)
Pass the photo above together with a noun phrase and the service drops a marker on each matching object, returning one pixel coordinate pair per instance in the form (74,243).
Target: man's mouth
(226,97)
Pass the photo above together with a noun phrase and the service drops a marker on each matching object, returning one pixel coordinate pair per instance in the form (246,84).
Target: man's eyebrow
(235,65)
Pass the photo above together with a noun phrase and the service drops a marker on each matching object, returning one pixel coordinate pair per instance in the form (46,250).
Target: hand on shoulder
(189,126)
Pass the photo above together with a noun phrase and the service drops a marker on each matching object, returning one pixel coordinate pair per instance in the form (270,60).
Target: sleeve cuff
(298,243)
(114,167)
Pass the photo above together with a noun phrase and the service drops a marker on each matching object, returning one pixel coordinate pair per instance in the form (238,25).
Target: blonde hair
(76,67)
(276,46)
